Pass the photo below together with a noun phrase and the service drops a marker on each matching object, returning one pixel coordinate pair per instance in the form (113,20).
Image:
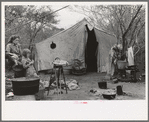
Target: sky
(67,17)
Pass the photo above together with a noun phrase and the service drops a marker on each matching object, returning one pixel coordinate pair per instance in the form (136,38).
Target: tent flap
(105,41)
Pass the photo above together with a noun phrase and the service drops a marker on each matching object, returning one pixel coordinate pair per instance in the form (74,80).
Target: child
(28,64)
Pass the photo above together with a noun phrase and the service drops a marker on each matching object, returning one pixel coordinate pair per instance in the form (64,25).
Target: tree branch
(140,29)
(132,35)
(131,23)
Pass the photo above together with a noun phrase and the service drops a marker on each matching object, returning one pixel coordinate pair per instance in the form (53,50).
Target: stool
(58,73)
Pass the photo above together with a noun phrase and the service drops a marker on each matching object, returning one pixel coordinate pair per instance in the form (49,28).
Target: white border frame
(69,110)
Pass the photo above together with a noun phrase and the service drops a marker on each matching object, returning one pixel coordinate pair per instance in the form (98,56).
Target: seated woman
(13,50)
(28,63)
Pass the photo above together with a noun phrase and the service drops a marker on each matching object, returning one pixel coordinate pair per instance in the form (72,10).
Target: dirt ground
(134,91)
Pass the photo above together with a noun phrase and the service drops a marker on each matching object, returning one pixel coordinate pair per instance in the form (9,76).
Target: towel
(130,56)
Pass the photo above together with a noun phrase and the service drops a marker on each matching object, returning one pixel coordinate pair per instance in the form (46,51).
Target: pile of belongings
(96,92)
(71,84)
(78,67)
(103,93)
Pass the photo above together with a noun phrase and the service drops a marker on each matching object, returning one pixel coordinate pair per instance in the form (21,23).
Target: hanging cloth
(130,56)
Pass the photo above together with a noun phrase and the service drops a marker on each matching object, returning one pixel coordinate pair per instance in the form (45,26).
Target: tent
(81,41)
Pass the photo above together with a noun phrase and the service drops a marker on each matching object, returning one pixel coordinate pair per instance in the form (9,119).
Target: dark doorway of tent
(91,51)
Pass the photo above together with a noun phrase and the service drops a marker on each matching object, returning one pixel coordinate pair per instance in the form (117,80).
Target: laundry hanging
(130,57)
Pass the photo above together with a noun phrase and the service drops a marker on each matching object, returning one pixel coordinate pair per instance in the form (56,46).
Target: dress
(30,70)
(13,52)
(11,48)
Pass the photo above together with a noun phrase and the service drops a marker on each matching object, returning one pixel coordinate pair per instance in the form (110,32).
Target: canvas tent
(81,41)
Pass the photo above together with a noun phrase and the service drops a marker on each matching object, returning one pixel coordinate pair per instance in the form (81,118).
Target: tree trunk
(123,40)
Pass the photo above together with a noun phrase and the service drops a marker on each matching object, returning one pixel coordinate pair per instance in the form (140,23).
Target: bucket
(102,85)
(119,90)
(121,64)
(25,86)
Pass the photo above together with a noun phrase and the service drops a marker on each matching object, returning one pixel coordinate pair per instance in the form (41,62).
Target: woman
(114,56)
(28,64)
(13,50)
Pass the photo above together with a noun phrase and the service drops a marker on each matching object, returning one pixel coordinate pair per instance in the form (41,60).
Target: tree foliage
(29,21)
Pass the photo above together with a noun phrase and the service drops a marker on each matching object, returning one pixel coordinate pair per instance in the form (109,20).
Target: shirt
(11,48)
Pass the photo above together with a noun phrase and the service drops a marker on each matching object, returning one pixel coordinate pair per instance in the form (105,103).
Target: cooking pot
(109,94)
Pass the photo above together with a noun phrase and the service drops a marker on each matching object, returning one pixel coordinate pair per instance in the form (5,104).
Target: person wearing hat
(13,50)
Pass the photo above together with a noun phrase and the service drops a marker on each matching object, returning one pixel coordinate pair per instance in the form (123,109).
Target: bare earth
(134,91)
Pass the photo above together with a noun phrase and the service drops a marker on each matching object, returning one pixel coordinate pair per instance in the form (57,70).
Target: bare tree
(124,21)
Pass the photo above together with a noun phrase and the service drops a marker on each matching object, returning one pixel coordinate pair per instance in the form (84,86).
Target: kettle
(53,45)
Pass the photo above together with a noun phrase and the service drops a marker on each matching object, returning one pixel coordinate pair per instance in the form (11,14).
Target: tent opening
(91,51)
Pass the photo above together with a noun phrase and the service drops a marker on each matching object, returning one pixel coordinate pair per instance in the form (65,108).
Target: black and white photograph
(81,51)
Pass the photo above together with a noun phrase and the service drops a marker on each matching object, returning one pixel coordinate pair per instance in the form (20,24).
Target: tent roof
(77,24)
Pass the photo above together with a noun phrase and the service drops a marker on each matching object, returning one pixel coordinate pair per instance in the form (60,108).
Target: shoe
(10,94)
